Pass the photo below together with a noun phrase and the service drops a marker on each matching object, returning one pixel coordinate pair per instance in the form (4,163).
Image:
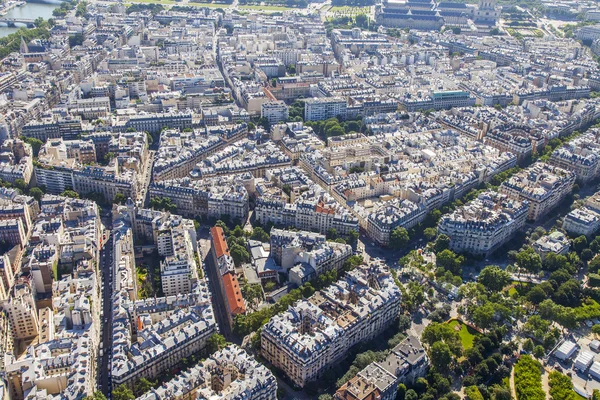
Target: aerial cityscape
(300,199)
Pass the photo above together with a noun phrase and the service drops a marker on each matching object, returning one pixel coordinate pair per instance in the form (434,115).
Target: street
(106,263)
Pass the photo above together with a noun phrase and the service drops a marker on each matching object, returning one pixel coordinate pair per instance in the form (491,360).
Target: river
(29,10)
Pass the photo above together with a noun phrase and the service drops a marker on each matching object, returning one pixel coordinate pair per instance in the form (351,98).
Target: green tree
(142,386)
(442,243)
(332,234)
(122,392)
(215,343)
(399,238)
(473,393)
(529,260)
(539,352)
(36,193)
(494,278)
(98,395)
(70,193)
(119,198)
(20,184)
(36,144)
(108,157)
(411,395)
(353,238)
(579,243)
(561,387)
(448,260)
(528,345)
(441,356)
(430,233)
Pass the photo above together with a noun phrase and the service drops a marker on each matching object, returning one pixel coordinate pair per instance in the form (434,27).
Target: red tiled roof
(233,293)
(219,242)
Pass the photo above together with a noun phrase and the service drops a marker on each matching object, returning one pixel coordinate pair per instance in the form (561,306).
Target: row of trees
(528,379)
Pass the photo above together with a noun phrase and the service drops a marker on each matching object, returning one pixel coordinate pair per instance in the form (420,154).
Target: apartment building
(380,379)
(209,197)
(168,328)
(222,263)
(542,185)
(584,220)
(306,255)
(21,310)
(305,340)
(484,224)
(275,111)
(227,374)
(178,271)
(580,155)
(321,108)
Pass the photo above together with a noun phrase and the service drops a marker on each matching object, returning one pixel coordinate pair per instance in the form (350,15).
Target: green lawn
(266,8)
(467,334)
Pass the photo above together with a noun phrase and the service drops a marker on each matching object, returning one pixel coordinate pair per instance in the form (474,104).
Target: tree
(36,193)
(215,343)
(430,233)
(239,254)
(362,20)
(142,386)
(579,243)
(36,144)
(119,198)
(473,393)
(448,260)
(353,238)
(529,260)
(411,395)
(20,184)
(596,329)
(108,157)
(441,356)
(494,278)
(554,262)
(539,352)
(70,193)
(399,238)
(561,387)
(76,40)
(98,395)
(332,234)
(269,286)
(439,332)
(528,345)
(536,295)
(483,316)
(442,243)
(122,392)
